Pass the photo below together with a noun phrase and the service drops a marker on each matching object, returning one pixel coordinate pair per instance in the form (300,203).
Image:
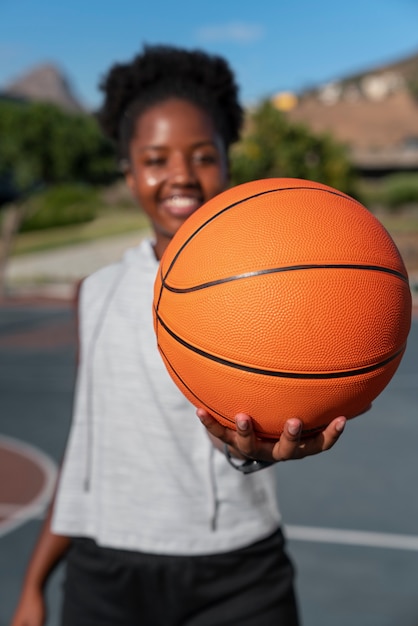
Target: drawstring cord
(214,501)
(90,382)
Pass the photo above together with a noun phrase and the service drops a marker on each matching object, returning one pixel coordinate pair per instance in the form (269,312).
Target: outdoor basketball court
(351,515)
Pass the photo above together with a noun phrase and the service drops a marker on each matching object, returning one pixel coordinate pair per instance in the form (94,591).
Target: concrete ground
(52,273)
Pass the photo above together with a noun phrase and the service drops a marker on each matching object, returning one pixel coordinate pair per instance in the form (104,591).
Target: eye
(154,161)
(206,158)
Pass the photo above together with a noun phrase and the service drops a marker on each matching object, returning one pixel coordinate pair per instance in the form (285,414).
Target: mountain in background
(45,83)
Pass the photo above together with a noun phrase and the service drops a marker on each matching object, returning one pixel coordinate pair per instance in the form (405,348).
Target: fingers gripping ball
(282,298)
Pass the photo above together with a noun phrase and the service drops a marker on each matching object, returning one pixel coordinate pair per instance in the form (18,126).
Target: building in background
(374,113)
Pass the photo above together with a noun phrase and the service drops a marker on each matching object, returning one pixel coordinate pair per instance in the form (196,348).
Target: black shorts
(252,586)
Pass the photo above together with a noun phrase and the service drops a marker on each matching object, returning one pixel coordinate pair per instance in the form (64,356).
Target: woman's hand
(246,444)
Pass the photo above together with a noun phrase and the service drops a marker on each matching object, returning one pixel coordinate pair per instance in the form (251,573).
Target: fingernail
(203,416)
(242,424)
(340,425)
(294,427)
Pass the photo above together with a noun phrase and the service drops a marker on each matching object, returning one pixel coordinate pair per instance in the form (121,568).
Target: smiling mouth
(182,206)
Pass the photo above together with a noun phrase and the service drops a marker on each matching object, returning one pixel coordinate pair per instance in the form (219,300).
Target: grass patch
(403,223)
(107,224)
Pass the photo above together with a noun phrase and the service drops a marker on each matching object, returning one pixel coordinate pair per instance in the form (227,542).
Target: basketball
(282,298)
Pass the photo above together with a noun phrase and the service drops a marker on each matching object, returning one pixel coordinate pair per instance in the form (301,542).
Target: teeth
(182,201)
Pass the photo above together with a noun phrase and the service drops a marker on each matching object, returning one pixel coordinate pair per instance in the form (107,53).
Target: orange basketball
(282,298)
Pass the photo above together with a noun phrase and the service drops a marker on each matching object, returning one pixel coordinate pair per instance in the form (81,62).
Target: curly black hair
(161,72)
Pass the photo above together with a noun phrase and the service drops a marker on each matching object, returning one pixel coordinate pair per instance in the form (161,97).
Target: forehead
(175,120)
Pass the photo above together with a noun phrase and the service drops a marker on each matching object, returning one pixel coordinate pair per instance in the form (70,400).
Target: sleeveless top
(139,471)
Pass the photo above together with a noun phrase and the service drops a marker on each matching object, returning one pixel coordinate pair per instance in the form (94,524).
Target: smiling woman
(144,492)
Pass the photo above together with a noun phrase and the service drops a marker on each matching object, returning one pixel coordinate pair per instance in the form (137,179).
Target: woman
(157,526)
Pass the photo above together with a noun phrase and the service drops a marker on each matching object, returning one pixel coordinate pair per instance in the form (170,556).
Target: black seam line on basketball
(276,373)
(290,268)
(161,288)
(212,410)
(234,204)
(306,432)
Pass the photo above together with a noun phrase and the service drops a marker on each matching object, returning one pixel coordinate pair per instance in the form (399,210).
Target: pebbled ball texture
(282,298)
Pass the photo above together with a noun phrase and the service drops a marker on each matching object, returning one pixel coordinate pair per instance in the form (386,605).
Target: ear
(130,181)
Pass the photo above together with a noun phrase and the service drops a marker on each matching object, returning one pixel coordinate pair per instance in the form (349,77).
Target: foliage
(274,147)
(61,205)
(393,192)
(42,144)
(400,190)
(413,88)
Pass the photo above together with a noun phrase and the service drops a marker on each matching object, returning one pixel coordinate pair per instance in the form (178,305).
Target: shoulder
(95,289)
(101,278)
(97,283)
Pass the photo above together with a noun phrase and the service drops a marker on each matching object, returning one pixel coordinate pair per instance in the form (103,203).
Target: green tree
(41,145)
(40,142)
(274,147)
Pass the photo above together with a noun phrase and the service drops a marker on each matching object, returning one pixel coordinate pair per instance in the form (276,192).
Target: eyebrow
(199,144)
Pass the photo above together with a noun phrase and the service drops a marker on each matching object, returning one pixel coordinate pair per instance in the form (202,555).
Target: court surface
(351,515)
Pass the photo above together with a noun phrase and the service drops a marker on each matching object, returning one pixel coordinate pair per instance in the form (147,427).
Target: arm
(244,444)
(49,550)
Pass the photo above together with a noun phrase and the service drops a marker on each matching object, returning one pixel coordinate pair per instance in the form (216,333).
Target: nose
(181,170)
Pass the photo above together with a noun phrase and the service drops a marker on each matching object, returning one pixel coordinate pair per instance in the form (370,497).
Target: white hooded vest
(140,472)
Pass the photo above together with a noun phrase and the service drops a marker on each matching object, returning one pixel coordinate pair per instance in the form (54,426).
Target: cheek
(151,179)
(217,183)
(147,184)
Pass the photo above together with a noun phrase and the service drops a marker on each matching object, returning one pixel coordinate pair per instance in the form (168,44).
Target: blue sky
(273,45)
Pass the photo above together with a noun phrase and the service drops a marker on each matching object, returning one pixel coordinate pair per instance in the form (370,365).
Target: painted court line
(16,515)
(22,512)
(352,537)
